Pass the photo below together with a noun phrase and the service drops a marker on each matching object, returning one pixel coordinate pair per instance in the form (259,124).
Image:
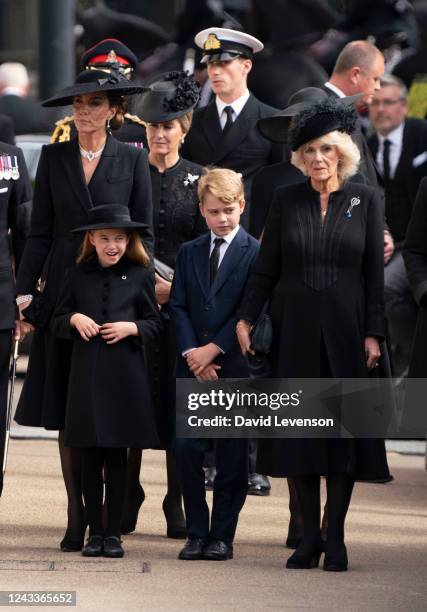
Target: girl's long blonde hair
(135,250)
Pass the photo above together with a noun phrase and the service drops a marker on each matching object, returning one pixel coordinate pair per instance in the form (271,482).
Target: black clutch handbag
(261,340)
(163,270)
(39,311)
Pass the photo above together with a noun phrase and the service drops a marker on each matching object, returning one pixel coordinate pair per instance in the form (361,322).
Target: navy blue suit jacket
(204,313)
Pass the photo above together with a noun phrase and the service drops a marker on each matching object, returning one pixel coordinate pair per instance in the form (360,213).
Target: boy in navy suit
(210,276)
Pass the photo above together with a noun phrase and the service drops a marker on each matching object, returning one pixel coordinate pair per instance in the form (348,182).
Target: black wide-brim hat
(320,119)
(169,97)
(109,216)
(94,81)
(276,127)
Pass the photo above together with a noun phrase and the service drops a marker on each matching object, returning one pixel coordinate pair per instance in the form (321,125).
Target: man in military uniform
(107,53)
(15,206)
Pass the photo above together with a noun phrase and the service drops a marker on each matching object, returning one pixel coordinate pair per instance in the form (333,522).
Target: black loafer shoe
(217,550)
(258,484)
(113,547)
(94,546)
(193,549)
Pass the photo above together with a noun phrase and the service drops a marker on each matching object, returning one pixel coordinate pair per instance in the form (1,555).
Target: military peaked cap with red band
(106,52)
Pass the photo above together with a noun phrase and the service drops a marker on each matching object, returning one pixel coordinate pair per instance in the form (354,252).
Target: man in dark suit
(7,134)
(399,147)
(224,132)
(15,204)
(358,69)
(27,115)
(210,276)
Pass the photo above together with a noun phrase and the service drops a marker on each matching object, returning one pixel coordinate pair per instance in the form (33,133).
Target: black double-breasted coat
(109,402)
(242,148)
(415,257)
(325,284)
(15,206)
(61,203)
(176,219)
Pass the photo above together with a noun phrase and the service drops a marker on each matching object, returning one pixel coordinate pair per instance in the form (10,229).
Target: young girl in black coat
(108,308)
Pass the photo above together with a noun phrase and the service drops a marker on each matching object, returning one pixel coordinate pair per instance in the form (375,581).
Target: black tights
(93,461)
(339,489)
(71,466)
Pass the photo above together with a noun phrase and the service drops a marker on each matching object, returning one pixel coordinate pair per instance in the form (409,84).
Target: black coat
(415,256)
(401,190)
(176,219)
(325,283)
(61,203)
(6,130)
(109,401)
(15,210)
(243,149)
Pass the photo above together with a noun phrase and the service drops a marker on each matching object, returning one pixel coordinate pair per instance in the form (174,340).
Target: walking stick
(12,377)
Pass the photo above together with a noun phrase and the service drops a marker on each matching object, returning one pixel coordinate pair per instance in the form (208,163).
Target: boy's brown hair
(224,184)
(135,250)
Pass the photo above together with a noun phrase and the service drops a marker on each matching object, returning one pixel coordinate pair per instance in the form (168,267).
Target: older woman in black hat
(167,108)
(321,265)
(73,177)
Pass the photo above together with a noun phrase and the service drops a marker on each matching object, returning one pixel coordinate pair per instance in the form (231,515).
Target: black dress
(61,203)
(176,219)
(109,401)
(325,280)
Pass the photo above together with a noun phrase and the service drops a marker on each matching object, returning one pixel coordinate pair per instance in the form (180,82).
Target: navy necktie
(229,112)
(214,259)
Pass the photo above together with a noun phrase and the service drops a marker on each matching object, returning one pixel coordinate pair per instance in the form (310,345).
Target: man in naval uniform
(224,132)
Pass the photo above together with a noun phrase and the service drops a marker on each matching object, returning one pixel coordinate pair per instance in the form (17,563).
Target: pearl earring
(108,126)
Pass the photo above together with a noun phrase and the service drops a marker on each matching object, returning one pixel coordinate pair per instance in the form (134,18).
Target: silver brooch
(124,277)
(353,202)
(190,179)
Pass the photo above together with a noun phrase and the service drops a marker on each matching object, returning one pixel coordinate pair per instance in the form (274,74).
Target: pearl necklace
(91,155)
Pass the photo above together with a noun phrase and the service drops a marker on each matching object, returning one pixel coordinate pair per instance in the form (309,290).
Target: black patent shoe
(113,547)
(175,519)
(210,473)
(308,559)
(193,549)
(258,484)
(217,550)
(130,515)
(336,561)
(94,546)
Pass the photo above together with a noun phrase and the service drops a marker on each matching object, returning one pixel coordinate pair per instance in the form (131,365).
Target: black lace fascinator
(321,118)
(172,95)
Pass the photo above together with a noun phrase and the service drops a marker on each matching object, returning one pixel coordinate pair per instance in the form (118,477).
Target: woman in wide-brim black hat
(322,248)
(167,108)
(90,170)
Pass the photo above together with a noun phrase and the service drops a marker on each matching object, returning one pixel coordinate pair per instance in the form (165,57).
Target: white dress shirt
(228,239)
(395,151)
(237,107)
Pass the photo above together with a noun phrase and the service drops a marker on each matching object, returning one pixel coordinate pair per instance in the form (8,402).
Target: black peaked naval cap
(109,216)
(172,95)
(106,52)
(94,81)
(276,127)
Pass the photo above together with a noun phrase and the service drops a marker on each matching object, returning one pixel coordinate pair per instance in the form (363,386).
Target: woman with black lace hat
(321,263)
(167,108)
(73,177)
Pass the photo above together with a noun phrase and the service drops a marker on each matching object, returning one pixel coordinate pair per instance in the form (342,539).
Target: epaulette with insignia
(134,119)
(62,131)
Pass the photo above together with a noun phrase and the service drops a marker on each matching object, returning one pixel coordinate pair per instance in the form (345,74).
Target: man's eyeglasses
(386,102)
